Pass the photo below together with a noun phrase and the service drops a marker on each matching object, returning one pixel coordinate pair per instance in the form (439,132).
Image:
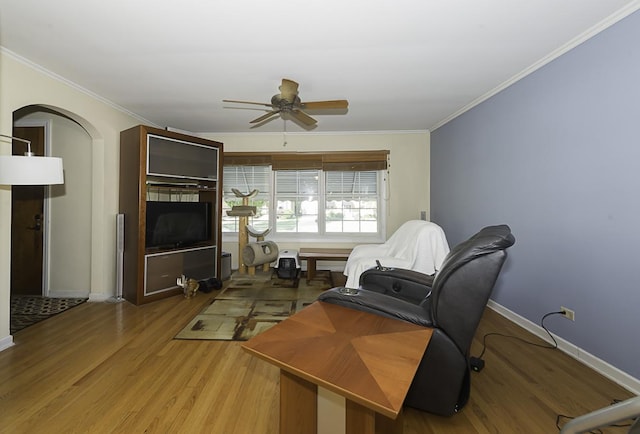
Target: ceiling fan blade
(318,105)
(288,90)
(264,117)
(247,102)
(303,117)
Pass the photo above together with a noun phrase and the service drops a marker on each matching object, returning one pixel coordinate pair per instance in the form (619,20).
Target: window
(351,202)
(306,194)
(246,179)
(297,194)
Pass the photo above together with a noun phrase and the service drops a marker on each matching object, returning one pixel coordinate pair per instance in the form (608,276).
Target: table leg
(359,419)
(298,405)
(311,268)
(362,420)
(390,426)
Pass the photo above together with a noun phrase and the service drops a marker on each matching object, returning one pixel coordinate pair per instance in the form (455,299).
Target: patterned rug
(250,305)
(27,310)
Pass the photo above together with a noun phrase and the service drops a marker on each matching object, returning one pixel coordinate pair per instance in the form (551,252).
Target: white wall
(70,242)
(408,177)
(22,84)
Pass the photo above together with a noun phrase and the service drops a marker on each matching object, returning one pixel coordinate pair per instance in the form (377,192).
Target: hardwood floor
(103,368)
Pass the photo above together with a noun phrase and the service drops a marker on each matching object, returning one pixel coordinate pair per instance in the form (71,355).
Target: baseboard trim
(6,342)
(614,374)
(67,294)
(99,297)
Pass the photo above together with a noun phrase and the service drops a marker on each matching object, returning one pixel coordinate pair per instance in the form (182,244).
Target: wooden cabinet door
(162,271)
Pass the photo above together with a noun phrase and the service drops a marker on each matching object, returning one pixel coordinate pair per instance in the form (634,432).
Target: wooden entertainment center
(174,170)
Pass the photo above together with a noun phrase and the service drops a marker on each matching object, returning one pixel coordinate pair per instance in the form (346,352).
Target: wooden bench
(314,254)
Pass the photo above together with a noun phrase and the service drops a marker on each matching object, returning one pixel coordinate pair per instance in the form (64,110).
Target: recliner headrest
(490,239)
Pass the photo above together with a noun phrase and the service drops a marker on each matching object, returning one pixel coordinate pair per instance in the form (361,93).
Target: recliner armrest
(407,285)
(379,304)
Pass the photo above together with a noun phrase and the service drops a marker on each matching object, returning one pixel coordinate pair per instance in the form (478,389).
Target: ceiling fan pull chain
(284,134)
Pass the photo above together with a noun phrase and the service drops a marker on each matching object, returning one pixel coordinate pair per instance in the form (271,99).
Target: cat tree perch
(259,253)
(251,254)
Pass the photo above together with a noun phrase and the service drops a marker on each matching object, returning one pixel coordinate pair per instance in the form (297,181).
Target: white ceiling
(402,64)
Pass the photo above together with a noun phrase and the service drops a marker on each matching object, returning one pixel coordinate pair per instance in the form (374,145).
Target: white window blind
(246,179)
(297,200)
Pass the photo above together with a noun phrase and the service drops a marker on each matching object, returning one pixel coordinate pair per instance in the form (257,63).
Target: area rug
(27,310)
(250,305)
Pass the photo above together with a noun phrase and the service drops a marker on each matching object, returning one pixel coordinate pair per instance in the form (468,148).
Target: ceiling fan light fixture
(289,90)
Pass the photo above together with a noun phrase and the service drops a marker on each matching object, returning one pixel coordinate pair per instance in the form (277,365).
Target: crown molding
(590,33)
(32,65)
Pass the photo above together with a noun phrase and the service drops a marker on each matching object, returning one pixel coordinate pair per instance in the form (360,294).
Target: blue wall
(557,157)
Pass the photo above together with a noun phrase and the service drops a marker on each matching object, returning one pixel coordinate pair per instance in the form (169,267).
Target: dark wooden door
(27,220)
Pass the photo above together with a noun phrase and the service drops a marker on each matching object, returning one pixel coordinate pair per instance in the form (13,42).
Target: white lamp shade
(24,170)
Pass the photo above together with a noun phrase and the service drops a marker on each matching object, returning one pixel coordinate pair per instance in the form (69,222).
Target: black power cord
(477,363)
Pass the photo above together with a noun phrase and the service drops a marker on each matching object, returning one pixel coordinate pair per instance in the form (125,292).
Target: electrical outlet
(568,313)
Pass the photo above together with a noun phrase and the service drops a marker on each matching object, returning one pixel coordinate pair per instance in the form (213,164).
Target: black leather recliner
(451,302)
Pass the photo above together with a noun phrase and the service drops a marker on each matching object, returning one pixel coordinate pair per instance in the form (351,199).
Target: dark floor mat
(27,310)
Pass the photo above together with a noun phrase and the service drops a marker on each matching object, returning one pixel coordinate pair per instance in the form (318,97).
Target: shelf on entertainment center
(172,249)
(166,182)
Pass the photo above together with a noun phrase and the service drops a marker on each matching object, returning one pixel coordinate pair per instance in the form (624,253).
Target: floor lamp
(29,169)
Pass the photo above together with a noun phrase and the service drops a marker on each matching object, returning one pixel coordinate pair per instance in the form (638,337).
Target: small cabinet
(199,263)
(163,174)
(162,269)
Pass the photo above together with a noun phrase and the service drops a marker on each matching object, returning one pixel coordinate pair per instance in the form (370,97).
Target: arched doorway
(66,209)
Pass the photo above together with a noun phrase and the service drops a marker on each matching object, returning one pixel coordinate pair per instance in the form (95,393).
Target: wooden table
(314,254)
(368,359)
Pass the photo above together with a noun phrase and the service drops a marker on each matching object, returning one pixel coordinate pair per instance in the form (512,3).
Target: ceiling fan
(288,102)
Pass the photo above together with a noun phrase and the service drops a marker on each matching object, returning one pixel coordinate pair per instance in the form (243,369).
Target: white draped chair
(417,245)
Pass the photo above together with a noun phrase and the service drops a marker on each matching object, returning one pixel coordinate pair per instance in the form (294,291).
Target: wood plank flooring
(115,368)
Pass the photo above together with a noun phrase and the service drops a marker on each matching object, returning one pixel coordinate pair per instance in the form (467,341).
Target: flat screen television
(177,224)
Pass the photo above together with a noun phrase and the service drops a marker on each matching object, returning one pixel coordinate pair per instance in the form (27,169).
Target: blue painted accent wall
(557,157)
